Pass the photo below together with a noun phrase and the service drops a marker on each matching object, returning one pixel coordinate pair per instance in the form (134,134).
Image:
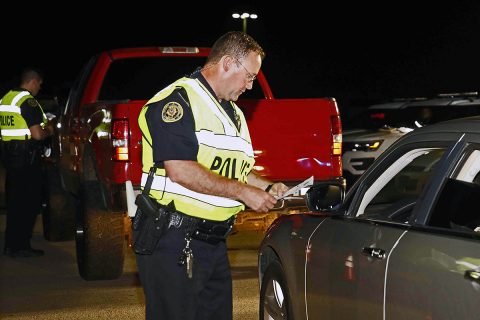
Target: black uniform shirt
(31,111)
(174,139)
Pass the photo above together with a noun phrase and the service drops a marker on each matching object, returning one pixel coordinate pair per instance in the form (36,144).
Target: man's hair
(29,74)
(235,43)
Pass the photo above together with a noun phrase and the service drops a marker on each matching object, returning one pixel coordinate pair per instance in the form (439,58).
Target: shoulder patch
(172,112)
(32,102)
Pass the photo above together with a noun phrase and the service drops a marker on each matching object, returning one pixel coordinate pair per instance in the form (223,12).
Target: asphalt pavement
(49,287)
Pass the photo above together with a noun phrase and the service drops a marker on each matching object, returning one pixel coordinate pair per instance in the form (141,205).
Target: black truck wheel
(100,245)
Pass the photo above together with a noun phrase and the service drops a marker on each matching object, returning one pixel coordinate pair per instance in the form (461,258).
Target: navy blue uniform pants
(170,294)
(23,187)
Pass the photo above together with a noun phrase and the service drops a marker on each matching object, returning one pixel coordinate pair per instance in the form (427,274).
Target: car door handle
(374,252)
(473,275)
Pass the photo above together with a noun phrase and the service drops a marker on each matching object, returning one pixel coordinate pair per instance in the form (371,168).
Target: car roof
(449,99)
(461,125)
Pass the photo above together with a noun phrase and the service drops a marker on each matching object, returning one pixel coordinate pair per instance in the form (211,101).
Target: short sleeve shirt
(172,140)
(175,139)
(31,112)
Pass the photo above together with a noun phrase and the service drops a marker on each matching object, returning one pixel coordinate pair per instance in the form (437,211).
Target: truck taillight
(120,137)
(336,126)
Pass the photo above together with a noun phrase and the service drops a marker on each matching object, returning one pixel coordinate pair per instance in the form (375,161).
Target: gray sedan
(404,243)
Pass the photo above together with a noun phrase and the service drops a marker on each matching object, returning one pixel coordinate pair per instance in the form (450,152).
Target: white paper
(131,206)
(305,184)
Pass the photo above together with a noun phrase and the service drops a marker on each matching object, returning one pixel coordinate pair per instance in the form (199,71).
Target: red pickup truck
(100,146)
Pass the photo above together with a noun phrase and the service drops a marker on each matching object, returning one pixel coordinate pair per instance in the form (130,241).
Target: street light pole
(244,16)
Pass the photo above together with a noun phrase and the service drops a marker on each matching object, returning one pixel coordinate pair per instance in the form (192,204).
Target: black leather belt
(206,230)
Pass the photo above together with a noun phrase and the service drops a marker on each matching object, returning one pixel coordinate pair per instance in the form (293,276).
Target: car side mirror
(326,195)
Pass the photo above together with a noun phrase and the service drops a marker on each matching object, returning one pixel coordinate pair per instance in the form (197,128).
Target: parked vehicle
(100,145)
(404,243)
(382,124)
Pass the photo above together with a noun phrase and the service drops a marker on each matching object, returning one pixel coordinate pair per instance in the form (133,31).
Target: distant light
(244,16)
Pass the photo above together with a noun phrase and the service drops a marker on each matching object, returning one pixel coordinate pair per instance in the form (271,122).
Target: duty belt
(206,230)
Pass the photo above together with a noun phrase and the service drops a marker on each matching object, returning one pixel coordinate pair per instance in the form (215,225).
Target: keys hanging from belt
(186,257)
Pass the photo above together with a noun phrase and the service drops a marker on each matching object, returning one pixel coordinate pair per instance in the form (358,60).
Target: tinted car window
(74,96)
(395,200)
(457,207)
(458,202)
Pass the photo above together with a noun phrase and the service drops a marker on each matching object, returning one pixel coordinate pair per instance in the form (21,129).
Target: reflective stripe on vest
(222,149)
(160,183)
(20,96)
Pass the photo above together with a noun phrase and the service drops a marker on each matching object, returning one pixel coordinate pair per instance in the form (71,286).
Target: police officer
(198,137)
(23,126)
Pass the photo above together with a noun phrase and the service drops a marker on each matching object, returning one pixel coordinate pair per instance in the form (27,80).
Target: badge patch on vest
(32,102)
(172,112)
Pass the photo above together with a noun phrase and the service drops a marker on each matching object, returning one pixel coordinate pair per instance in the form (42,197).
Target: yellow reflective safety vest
(222,149)
(12,125)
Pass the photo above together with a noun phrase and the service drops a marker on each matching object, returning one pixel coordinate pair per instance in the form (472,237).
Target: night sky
(359,54)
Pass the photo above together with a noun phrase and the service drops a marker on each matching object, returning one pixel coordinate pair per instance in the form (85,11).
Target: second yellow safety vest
(12,125)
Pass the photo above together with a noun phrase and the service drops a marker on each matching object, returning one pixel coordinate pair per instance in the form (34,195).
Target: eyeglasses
(250,76)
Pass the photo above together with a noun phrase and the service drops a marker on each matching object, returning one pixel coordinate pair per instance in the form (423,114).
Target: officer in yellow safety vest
(198,139)
(22,125)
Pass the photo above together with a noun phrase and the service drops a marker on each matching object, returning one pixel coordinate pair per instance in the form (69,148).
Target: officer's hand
(278,189)
(257,199)
(50,128)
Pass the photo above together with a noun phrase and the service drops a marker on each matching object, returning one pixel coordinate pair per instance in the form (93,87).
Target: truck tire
(100,242)
(99,238)
(59,214)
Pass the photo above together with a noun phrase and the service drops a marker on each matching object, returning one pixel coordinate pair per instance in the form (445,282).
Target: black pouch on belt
(150,221)
(213,232)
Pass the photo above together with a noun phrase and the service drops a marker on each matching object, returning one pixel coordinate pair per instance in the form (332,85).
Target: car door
(434,271)
(348,254)
(69,130)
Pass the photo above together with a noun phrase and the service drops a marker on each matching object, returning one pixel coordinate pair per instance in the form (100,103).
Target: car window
(393,195)
(458,202)
(75,94)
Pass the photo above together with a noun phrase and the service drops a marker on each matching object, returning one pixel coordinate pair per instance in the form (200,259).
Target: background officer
(199,138)
(23,125)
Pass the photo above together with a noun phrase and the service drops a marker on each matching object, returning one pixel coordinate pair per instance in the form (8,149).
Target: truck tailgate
(292,138)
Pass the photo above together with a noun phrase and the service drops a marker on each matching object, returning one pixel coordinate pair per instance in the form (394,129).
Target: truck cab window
(140,79)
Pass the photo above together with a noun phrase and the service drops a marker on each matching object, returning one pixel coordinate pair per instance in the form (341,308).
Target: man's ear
(227,62)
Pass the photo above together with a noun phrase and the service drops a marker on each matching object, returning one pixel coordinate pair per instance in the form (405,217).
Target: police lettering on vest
(7,121)
(228,168)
